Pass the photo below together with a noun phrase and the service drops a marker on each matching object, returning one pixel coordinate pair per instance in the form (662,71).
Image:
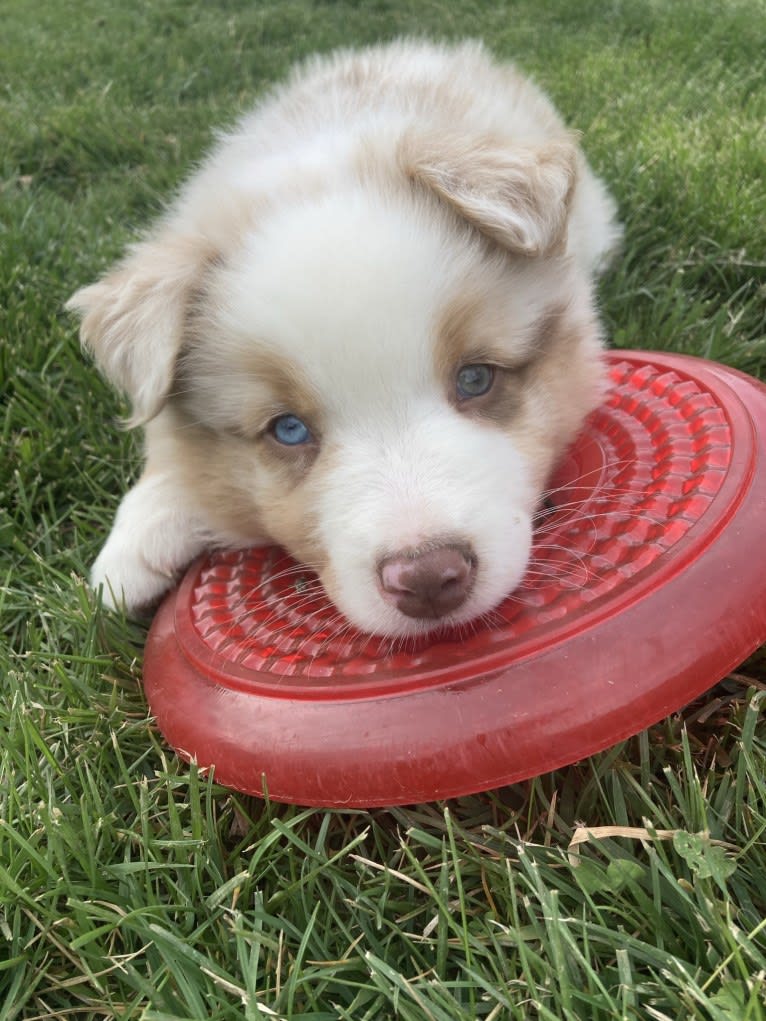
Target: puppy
(365,331)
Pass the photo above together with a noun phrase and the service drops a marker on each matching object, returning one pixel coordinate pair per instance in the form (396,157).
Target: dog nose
(428,585)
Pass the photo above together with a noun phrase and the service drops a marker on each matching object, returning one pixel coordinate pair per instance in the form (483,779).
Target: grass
(132,887)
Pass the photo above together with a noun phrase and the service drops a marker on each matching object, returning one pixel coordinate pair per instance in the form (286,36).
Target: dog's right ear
(134,319)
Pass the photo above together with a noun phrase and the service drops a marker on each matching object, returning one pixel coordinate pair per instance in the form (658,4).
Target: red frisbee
(648,586)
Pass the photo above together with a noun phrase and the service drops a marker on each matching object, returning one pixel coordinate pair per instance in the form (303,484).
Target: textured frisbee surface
(647,585)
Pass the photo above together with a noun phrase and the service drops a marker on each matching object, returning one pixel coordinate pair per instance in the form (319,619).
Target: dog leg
(155,535)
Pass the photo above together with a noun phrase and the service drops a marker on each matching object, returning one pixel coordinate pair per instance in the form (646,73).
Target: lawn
(133,887)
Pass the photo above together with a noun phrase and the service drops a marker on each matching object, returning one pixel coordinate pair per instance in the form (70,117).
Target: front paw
(127,582)
(156,534)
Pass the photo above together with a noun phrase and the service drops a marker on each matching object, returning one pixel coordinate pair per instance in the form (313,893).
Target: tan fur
(519,198)
(133,319)
(219,470)
(269,385)
(551,418)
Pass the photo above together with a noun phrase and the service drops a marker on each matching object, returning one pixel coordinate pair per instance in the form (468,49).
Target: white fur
(154,531)
(332,230)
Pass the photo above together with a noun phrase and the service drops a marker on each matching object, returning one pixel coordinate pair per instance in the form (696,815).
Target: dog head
(377,372)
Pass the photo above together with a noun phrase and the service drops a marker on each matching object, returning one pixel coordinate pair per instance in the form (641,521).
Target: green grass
(130,886)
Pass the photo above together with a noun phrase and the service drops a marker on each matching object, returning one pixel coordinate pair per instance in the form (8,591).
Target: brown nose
(431,584)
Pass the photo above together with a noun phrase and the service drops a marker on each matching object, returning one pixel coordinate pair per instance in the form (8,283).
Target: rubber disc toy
(649,586)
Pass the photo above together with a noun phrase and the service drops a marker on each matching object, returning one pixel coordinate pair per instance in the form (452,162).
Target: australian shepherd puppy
(364,330)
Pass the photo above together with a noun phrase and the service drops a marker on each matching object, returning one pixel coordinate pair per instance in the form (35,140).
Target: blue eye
(475,380)
(290,430)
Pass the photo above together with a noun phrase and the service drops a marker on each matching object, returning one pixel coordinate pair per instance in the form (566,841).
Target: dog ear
(134,319)
(518,195)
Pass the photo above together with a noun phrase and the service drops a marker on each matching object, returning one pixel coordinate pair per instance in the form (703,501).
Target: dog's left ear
(134,319)
(519,195)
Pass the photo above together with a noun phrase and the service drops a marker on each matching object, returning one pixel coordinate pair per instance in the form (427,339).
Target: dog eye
(475,380)
(290,430)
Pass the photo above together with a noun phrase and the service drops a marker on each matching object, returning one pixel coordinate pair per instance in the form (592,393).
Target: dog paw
(156,534)
(127,582)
